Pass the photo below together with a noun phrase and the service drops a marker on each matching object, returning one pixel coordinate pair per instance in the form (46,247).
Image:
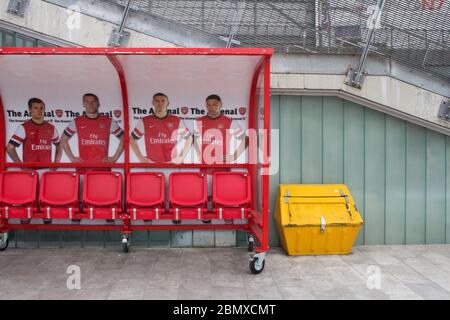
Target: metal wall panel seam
(321,152)
(301,140)
(406,182)
(426,183)
(385,176)
(364,175)
(343,140)
(445,198)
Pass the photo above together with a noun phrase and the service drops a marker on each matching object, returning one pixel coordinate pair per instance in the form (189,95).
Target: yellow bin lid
(316,205)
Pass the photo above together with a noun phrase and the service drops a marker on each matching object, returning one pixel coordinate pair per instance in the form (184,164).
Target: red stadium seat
(18,194)
(145,196)
(231,195)
(59,194)
(102,194)
(188,195)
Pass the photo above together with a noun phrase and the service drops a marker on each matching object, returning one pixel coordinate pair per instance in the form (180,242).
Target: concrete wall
(51,20)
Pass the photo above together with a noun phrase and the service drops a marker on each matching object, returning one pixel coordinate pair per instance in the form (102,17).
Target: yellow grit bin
(315,219)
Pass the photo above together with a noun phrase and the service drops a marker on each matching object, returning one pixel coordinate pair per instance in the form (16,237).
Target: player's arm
(58,153)
(16,140)
(136,134)
(197,136)
(185,135)
(58,150)
(67,135)
(187,145)
(117,131)
(119,150)
(12,152)
(135,147)
(238,133)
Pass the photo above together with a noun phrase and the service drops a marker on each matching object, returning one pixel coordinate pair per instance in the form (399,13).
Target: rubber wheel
(255,267)
(125,247)
(4,245)
(251,246)
(176,221)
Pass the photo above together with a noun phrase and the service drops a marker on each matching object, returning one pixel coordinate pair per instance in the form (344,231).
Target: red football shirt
(36,140)
(214,131)
(93,136)
(161,136)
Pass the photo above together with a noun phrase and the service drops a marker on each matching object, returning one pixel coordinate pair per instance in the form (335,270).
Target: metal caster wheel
(256,267)
(257,263)
(4,242)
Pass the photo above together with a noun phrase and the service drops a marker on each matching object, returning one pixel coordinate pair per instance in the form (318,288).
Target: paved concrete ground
(407,272)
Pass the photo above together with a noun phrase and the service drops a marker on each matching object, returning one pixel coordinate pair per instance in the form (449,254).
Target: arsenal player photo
(36,136)
(93,131)
(216,133)
(166,137)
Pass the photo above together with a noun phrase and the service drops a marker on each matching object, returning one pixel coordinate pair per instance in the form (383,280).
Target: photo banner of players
(186,101)
(62,109)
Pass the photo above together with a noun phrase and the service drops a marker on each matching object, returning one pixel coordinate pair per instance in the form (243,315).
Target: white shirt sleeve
(71,129)
(236,130)
(183,131)
(115,130)
(138,131)
(18,136)
(197,128)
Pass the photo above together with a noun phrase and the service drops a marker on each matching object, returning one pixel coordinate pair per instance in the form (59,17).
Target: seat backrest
(145,189)
(188,189)
(102,188)
(59,188)
(18,187)
(231,189)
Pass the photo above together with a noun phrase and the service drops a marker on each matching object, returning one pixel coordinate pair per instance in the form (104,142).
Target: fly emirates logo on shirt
(213,136)
(94,140)
(162,138)
(44,145)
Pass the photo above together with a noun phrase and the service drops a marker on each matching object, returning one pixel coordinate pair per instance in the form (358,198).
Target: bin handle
(346,203)
(323,224)
(286,197)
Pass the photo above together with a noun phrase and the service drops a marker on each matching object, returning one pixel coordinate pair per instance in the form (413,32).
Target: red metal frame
(258,222)
(141,51)
(123,86)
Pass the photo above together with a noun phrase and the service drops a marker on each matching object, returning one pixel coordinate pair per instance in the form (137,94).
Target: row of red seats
(56,197)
